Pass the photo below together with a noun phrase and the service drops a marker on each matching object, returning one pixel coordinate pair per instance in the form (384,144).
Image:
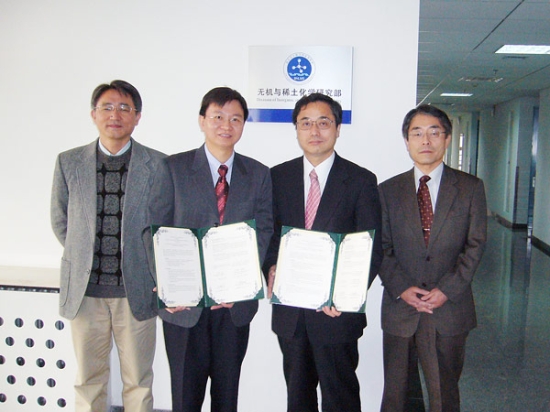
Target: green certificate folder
(316,269)
(208,266)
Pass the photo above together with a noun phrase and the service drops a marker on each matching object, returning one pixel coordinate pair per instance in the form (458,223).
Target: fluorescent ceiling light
(456,94)
(524,49)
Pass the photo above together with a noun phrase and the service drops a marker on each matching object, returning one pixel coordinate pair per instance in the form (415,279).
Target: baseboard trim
(506,223)
(539,244)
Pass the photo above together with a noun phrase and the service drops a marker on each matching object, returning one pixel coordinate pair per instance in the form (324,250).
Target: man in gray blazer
(430,258)
(203,343)
(98,211)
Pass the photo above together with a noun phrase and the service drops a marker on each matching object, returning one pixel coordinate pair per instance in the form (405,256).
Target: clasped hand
(424,300)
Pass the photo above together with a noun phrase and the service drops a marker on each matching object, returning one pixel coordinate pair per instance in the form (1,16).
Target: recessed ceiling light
(524,49)
(456,94)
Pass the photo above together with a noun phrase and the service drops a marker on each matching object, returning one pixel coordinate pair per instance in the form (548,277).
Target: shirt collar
(435,175)
(120,152)
(322,168)
(215,164)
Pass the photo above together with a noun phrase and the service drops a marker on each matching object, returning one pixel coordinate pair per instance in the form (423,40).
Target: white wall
(523,164)
(541,228)
(462,124)
(55,52)
(505,155)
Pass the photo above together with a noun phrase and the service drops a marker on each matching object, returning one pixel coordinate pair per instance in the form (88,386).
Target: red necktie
(425,207)
(222,190)
(313,199)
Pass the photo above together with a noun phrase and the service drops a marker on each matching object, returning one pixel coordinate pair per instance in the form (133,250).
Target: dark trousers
(213,348)
(306,365)
(442,360)
(415,398)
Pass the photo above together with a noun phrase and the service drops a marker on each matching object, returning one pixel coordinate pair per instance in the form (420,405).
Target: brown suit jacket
(457,242)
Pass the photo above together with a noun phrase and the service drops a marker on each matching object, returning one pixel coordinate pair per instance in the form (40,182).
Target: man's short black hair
(220,96)
(335,107)
(430,111)
(124,88)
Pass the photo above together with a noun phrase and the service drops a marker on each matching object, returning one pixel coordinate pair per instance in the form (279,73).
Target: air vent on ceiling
(480,79)
(515,57)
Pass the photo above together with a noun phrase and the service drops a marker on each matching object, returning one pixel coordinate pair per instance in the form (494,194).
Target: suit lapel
(335,186)
(202,183)
(137,181)
(445,199)
(86,174)
(294,181)
(409,205)
(239,189)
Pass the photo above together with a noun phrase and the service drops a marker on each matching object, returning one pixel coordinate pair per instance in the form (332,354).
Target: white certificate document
(316,269)
(177,260)
(231,263)
(304,269)
(351,281)
(205,267)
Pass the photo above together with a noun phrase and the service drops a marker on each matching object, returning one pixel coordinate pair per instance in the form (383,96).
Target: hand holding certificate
(316,269)
(207,267)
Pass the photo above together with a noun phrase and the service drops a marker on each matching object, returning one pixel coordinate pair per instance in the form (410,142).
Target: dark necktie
(222,190)
(425,207)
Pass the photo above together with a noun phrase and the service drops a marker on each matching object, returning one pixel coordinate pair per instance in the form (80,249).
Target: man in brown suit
(429,263)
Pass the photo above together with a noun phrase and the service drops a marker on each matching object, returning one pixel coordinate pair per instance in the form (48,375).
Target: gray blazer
(184,196)
(74,215)
(457,242)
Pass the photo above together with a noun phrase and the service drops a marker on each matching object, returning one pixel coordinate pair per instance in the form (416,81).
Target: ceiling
(456,51)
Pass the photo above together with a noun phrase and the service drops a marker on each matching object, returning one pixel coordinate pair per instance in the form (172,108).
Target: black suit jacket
(184,196)
(457,242)
(349,203)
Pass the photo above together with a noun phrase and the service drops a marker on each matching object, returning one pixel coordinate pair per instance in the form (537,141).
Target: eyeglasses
(433,133)
(322,123)
(218,120)
(123,108)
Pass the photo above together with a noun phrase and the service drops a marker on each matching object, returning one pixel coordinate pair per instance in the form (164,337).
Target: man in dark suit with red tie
(434,224)
(205,187)
(321,347)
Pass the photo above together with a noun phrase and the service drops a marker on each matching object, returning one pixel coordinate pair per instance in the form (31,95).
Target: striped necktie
(313,199)
(222,190)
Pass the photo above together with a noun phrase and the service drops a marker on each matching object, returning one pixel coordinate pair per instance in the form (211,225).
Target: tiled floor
(508,355)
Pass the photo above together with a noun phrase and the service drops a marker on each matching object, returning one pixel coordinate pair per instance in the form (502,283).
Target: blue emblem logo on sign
(299,68)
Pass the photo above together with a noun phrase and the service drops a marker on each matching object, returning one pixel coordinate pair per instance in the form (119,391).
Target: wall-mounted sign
(280,75)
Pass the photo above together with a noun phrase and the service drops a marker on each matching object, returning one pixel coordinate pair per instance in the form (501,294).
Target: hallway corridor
(507,364)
